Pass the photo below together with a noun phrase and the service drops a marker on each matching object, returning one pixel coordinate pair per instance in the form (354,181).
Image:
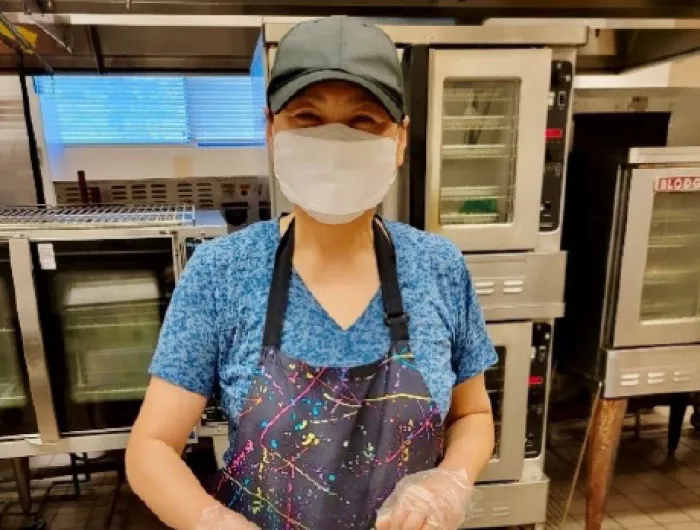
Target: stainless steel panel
(516,339)
(17,184)
(207,224)
(665,155)
(511,504)
(95,234)
(107,441)
(466,35)
(32,340)
(659,370)
(551,241)
(204,193)
(651,317)
(526,286)
(531,70)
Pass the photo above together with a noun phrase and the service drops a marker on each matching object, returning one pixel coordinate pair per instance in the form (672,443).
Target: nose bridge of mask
(338,132)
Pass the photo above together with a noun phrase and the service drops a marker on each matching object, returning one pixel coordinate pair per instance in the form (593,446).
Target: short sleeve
(188,347)
(472,350)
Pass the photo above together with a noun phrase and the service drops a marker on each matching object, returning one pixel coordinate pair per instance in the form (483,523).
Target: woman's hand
(220,518)
(434,499)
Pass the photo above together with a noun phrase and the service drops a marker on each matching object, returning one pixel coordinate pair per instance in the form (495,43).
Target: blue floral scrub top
(212,334)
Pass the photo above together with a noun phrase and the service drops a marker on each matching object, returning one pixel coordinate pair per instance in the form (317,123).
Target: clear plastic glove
(219,517)
(434,499)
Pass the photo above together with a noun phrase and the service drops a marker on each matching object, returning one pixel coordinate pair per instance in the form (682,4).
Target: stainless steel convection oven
(83,292)
(635,319)
(490,109)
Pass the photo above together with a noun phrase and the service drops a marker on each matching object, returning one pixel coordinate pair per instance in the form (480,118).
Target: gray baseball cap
(337,48)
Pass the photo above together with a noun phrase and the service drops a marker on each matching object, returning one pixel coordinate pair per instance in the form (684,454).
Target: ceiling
(113,36)
(464,10)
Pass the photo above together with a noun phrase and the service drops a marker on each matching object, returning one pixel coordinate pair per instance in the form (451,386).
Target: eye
(307,118)
(363,120)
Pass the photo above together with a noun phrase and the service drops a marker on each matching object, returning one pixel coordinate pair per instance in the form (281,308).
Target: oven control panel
(188,246)
(560,88)
(191,244)
(537,389)
(213,415)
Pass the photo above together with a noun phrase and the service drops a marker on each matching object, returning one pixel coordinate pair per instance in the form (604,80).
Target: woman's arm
(470,435)
(155,470)
(154,467)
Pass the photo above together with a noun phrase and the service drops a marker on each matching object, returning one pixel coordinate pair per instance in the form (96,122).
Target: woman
(352,415)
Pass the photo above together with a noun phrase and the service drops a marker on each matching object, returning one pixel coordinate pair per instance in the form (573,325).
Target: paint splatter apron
(321,447)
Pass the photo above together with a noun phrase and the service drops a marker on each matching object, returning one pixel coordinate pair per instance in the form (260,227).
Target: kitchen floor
(648,493)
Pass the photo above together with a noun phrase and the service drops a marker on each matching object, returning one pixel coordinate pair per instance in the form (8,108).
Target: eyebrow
(360,99)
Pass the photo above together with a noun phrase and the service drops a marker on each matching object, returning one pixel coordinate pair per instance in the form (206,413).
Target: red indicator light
(535,380)
(554,134)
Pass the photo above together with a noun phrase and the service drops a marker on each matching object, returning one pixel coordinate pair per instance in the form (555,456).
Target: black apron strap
(394,315)
(279,290)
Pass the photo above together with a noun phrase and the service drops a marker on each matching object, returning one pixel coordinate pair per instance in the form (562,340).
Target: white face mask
(335,173)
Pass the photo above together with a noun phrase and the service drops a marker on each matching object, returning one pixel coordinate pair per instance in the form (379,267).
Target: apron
(322,447)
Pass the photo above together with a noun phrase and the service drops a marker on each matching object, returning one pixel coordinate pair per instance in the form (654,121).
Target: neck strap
(394,315)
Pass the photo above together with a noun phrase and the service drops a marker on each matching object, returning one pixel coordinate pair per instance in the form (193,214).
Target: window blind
(113,110)
(141,110)
(225,111)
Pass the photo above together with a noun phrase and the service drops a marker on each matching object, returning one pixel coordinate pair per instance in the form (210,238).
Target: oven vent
(241,200)
(205,193)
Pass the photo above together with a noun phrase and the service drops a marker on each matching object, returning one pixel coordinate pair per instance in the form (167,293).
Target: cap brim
(281,96)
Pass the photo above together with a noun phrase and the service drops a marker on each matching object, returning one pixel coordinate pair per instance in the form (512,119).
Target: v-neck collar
(318,305)
(320,308)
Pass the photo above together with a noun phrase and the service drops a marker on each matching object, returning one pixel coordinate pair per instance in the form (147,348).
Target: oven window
(672,275)
(495,381)
(110,321)
(12,393)
(16,410)
(479,141)
(106,302)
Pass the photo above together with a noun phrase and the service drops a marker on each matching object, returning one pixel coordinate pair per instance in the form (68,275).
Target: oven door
(659,289)
(102,302)
(487,115)
(17,416)
(507,385)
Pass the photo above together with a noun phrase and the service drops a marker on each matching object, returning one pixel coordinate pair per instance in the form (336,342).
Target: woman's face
(338,102)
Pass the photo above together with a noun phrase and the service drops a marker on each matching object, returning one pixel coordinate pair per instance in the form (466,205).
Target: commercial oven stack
(633,321)
(83,291)
(490,110)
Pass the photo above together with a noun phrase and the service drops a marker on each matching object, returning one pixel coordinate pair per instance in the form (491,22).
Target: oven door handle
(38,442)
(32,339)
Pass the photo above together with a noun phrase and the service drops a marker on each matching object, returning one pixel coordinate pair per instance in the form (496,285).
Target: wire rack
(101,216)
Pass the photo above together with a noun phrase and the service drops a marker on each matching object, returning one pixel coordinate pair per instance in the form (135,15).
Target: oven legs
(602,449)
(20,468)
(678,403)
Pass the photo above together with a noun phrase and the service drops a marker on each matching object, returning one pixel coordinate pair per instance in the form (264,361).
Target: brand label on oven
(47,258)
(677,184)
